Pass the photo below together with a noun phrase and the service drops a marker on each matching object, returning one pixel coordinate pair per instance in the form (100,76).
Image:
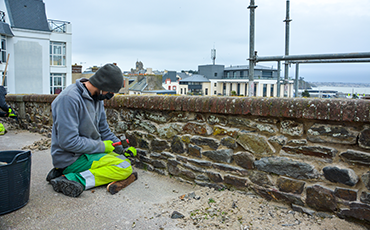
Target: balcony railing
(58,26)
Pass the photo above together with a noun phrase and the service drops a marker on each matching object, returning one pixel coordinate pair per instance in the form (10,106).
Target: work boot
(116,186)
(54,173)
(67,187)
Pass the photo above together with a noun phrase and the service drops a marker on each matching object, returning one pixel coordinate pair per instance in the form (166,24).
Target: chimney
(76,68)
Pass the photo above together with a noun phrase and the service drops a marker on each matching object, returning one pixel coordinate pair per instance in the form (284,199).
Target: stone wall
(313,154)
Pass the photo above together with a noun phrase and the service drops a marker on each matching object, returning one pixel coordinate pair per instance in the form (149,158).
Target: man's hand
(130,152)
(11,113)
(108,146)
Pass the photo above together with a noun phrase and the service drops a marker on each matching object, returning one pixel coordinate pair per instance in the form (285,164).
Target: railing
(58,26)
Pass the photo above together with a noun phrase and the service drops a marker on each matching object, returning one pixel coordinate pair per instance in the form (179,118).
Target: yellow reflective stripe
(89,179)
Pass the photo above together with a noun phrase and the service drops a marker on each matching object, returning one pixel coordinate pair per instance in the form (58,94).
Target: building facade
(39,50)
(216,80)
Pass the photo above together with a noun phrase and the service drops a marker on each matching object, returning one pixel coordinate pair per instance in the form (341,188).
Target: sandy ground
(210,209)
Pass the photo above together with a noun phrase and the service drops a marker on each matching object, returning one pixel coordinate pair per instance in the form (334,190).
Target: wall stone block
(260,178)
(366,179)
(255,144)
(322,133)
(197,128)
(222,155)
(229,142)
(229,168)
(273,194)
(340,175)
(177,146)
(354,156)
(211,142)
(320,198)
(187,173)
(159,145)
(219,130)
(278,140)
(291,128)
(217,120)
(286,167)
(200,163)
(194,168)
(195,150)
(244,159)
(365,197)
(169,130)
(297,142)
(364,139)
(159,164)
(356,210)
(346,194)
(216,177)
(236,181)
(316,151)
(289,185)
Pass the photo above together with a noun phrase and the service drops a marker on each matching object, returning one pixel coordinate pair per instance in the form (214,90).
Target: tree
(233,93)
(305,94)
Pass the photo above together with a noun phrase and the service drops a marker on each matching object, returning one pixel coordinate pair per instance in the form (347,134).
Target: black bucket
(15,177)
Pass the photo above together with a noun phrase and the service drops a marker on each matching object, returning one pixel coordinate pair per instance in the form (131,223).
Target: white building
(39,50)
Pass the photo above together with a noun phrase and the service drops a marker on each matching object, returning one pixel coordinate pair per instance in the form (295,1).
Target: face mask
(105,96)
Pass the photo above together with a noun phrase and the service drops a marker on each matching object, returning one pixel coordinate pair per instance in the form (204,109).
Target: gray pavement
(136,207)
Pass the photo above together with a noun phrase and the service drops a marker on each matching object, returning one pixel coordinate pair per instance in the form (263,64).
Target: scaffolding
(293,59)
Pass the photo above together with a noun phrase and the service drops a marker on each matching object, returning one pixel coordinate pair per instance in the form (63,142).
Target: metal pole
(314,56)
(252,58)
(296,79)
(331,61)
(278,79)
(287,36)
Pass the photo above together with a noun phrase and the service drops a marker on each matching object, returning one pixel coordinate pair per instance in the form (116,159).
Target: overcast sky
(179,34)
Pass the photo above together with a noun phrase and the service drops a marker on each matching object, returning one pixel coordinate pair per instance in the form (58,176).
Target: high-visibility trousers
(93,170)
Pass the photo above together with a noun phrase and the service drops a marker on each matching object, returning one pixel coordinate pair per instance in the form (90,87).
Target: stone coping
(348,110)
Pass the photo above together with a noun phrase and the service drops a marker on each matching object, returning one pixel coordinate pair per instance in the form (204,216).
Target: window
(57,53)
(215,84)
(173,87)
(181,91)
(264,90)
(169,87)
(215,92)
(57,83)
(215,74)
(206,91)
(3,49)
(272,91)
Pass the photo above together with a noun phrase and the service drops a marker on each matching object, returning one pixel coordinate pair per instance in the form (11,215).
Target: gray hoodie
(79,125)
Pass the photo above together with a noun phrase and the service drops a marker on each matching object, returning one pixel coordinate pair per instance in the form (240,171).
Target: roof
(27,14)
(245,67)
(195,78)
(139,86)
(5,29)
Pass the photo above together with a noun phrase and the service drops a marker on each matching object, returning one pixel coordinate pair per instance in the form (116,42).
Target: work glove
(11,113)
(130,152)
(108,146)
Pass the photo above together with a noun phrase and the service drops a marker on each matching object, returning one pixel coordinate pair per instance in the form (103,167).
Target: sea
(346,90)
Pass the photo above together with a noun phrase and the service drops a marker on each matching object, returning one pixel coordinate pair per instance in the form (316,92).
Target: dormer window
(2,16)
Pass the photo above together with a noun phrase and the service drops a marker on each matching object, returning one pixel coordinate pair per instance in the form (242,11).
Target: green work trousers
(93,170)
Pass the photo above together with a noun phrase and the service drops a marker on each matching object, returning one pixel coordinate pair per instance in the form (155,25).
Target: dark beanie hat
(108,78)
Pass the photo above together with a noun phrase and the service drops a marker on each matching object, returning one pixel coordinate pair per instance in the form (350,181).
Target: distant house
(217,80)
(194,85)
(148,85)
(39,49)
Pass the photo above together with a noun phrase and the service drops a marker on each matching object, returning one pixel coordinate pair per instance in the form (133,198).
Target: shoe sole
(66,187)
(117,186)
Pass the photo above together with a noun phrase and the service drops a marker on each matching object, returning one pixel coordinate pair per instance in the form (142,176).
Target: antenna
(213,55)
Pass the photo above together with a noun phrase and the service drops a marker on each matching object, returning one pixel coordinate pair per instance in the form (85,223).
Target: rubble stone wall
(311,153)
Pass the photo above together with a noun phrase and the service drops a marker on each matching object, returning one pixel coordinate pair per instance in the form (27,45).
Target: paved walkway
(137,206)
